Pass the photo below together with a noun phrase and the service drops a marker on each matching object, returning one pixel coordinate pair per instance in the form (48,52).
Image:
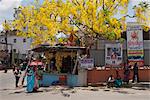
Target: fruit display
(59,57)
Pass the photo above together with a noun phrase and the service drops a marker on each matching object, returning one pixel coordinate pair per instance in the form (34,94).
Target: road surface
(9,92)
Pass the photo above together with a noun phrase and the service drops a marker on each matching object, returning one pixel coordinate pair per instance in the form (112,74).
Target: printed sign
(113,54)
(87,63)
(135,44)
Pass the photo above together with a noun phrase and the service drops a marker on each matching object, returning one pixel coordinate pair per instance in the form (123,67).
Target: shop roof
(57,48)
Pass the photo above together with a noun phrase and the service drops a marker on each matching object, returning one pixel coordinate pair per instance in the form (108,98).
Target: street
(9,92)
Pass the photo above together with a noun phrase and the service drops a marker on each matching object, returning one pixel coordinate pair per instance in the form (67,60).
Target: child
(17,74)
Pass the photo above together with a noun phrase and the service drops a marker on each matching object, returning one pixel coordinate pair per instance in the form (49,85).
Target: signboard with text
(135,44)
(87,63)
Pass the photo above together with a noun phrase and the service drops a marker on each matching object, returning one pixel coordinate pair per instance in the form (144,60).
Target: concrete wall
(96,76)
(98,52)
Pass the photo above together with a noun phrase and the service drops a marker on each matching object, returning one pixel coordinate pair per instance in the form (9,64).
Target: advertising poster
(113,54)
(135,44)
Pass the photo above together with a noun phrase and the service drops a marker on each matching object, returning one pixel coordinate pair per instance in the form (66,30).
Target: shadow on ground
(66,92)
(6,89)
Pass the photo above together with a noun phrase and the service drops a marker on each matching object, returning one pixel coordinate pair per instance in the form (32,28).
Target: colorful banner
(135,44)
(113,54)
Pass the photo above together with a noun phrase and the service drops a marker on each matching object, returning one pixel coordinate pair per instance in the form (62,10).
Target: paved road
(8,92)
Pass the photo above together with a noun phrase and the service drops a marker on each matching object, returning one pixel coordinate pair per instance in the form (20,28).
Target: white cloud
(7,9)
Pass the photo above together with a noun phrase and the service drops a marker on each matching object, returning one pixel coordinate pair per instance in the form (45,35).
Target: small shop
(61,65)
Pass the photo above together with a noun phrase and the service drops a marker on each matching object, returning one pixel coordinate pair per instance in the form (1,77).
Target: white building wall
(20,46)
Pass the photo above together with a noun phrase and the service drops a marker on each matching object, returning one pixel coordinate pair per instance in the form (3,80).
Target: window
(14,50)
(15,40)
(24,40)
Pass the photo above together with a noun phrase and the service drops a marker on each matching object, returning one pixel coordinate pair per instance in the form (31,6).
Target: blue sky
(7,8)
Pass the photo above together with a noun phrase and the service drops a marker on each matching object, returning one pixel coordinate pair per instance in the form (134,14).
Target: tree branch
(76,25)
(116,5)
(103,5)
(77,2)
(97,34)
(128,16)
(111,5)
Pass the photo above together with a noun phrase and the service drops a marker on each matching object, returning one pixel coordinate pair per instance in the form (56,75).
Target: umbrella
(33,63)
(39,63)
(36,63)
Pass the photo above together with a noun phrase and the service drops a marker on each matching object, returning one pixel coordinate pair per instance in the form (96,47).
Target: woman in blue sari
(30,79)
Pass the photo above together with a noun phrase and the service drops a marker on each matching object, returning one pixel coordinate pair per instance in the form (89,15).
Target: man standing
(135,73)
(126,73)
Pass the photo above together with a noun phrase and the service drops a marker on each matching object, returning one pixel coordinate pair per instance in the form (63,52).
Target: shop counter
(49,79)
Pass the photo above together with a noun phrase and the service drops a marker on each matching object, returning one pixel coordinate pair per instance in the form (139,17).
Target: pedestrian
(13,67)
(30,79)
(126,73)
(36,83)
(24,68)
(23,73)
(17,74)
(135,73)
(118,80)
(110,82)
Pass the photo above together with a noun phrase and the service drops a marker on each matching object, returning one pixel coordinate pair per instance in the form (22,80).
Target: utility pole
(6,49)
(6,34)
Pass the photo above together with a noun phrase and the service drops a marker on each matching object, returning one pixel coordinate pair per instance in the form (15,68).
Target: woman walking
(30,79)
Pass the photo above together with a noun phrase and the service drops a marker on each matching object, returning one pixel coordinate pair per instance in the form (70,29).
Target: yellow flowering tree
(142,13)
(82,18)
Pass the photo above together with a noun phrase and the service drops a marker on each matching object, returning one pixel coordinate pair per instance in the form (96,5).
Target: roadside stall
(62,65)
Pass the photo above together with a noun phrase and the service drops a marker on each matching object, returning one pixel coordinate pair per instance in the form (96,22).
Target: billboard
(135,44)
(113,54)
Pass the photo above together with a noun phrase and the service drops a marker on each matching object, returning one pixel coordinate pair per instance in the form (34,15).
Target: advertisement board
(113,54)
(87,63)
(135,50)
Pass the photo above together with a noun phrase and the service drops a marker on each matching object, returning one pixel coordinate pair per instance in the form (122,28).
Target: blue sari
(118,83)
(30,80)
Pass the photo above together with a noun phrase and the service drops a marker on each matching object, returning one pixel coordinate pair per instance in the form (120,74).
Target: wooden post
(76,63)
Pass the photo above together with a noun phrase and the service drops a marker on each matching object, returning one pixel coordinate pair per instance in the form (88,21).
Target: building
(18,45)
